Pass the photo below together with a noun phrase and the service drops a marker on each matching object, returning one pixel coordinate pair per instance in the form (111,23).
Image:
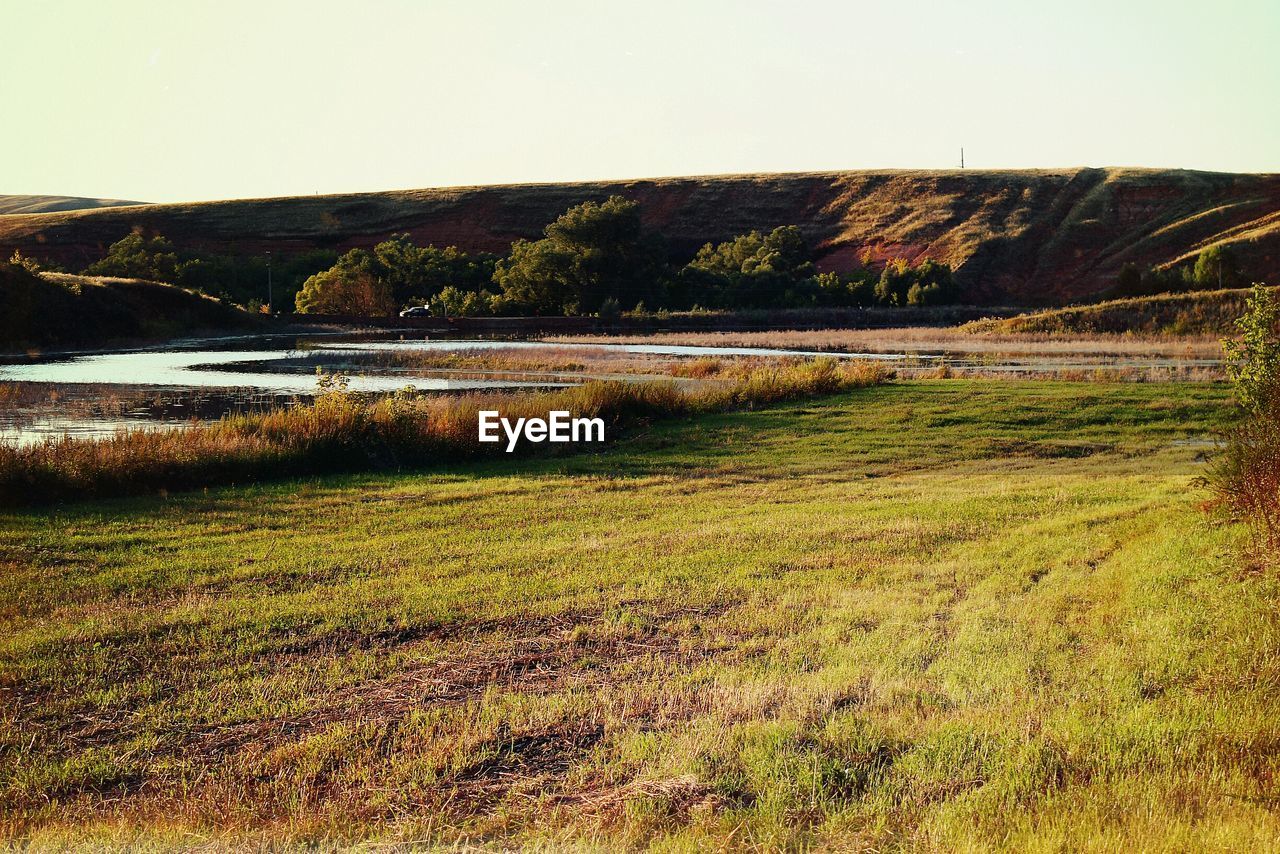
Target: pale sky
(173,101)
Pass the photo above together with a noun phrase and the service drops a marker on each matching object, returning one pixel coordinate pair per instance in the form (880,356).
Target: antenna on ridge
(962,157)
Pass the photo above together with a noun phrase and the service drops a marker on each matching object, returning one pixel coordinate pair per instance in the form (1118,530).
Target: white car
(416,311)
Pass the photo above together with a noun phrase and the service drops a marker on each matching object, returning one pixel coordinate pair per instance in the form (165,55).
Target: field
(923,615)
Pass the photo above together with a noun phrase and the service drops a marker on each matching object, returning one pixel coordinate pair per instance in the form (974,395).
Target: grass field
(926,615)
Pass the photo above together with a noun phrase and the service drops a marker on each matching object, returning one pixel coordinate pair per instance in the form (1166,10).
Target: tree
(403,273)
(137,257)
(1129,282)
(755,270)
(591,253)
(537,277)
(895,283)
(454,302)
(27,263)
(929,283)
(336,291)
(1217,267)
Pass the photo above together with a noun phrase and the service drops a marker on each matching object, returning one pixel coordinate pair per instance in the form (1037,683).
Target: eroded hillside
(1033,236)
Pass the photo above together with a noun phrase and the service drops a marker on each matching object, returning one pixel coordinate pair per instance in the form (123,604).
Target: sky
(178,101)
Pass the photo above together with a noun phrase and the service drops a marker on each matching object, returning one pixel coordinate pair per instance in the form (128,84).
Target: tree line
(1215,267)
(596,258)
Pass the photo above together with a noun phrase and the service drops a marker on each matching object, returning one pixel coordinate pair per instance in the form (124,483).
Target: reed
(340,432)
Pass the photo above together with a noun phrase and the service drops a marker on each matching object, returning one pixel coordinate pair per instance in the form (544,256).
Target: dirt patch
(532,656)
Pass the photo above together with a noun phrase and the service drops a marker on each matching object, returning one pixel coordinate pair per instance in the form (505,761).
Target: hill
(59,310)
(1196,313)
(53,204)
(1026,237)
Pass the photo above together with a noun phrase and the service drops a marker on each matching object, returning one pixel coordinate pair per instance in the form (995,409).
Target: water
(99,394)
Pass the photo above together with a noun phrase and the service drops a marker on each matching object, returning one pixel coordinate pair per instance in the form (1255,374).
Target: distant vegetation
(1216,267)
(1198,313)
(596,258)
(59,310)
(395,273)
(242,279)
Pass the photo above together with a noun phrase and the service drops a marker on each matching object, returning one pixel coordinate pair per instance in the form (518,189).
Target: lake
(97,394)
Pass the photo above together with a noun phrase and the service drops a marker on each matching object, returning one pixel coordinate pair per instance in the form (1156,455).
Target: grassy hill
(53,204)
(1023,237)
(60,310)
(1197,313)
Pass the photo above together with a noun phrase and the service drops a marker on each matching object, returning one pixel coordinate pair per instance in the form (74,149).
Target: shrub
(1246,475)
(1253,359)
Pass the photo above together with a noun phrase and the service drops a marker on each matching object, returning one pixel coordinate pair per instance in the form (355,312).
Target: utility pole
(962,157)
(269,294)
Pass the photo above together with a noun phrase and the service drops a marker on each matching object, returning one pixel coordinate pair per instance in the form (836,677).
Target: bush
(1246,476)
(1253,359)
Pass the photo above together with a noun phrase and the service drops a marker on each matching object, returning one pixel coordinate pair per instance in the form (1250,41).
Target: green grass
(1193,313)
(928,615)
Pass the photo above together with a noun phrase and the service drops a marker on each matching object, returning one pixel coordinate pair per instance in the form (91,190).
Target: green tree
(410,273)
(1253,359)
(346,292)
(138,257)
(455,302)
(591,253)
(895,282)
(1129,282)
(755,270)
(928,283)
(537,277)
(1217,267)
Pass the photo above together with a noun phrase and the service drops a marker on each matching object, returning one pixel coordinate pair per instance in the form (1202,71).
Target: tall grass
(339,432)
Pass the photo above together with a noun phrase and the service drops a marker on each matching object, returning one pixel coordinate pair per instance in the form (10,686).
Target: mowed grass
(928,615)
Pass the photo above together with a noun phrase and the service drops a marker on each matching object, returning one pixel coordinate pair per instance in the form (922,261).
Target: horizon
(599,181)
(241,101)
